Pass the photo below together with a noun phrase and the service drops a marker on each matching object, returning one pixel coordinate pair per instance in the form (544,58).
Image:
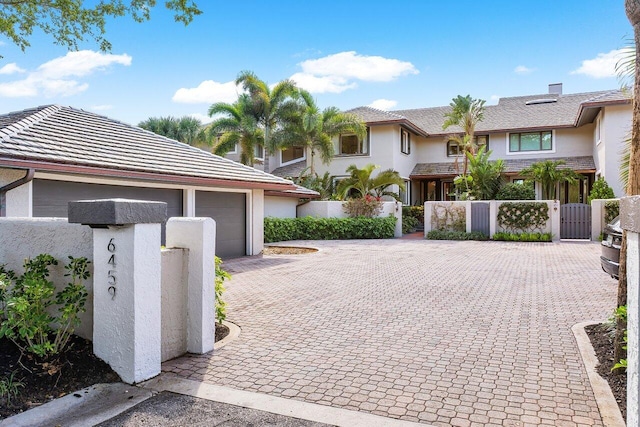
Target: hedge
(523,237)
(455,235)
(310,228)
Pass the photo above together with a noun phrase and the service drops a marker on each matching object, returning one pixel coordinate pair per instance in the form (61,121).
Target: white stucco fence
(551,226)
(185,286)
(334,209)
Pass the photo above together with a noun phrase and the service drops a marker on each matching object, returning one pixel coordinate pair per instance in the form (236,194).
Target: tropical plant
(361,182)
(314,129)
(236,126)
(465,113)
(9,387)
(221,276)
(600,190)
(185,129)
(269,106)
(517,191)
(27,298)
(549,175)
(485,177)
(325,184)
(367,206)
(71,22)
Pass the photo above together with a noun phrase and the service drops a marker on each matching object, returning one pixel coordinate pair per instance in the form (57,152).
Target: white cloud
(603,65)
(339,72)
(383,104)
(11,68)
(322,84)
(207,92)
(494,99)
(53,78)
(521,69)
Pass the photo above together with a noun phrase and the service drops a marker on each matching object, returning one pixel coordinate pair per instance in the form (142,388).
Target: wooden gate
(480,217)
(575,221)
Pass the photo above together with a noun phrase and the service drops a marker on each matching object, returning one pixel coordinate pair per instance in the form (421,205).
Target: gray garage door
(229,212)
(51,198)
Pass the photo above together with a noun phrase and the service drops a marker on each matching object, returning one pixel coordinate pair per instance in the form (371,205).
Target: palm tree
(268,105)
(361,182)
(486,176)
(314,130)
(549,176)
(238,127)
(465,112)
(185,129)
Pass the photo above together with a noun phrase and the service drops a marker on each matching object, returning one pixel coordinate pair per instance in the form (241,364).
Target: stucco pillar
(126,283)
(398,214)
(467,213)
(427,217)
(597,218)
(630,221)
(198,235)
(554,215)
(493,217)
(257,222)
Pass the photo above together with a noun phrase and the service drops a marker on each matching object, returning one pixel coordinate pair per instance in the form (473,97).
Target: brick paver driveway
(444,333)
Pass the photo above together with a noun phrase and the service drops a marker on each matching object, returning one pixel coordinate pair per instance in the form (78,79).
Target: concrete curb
(234,332)
(273,404)
(86,407)
(609,411)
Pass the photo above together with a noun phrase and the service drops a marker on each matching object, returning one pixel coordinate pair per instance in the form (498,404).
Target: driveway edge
(609,410)
(234,332)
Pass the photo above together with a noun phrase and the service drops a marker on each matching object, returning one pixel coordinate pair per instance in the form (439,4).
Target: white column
(493,217)
(427,217)
(633,328)
(554,216)
(398,214)
(467,213)
(256,223)
(198,235)
(126,300)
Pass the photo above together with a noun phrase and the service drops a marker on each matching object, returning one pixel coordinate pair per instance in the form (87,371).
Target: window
(235,150)
(291,154)
(405,196)
(405,142)
(453,149)
(350,145)
(259,152)
(530,141)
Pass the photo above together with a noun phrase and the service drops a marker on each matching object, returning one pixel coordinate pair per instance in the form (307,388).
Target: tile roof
(290,171)
(55,135)
(299,192)
(511,166)
(546,111)
(371,116)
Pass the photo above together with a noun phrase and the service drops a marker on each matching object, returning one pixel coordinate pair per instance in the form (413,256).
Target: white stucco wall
(18,201)
(256,222)
(26,238)
(174,303)
(615,128)
(280,207)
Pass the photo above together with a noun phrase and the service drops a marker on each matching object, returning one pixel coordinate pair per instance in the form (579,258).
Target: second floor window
(291,154)
(350,145)
(453,149)
(405,141)
(530,141)
(258,152)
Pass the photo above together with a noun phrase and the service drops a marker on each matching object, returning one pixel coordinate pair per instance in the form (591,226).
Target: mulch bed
(74,369)
(602,343)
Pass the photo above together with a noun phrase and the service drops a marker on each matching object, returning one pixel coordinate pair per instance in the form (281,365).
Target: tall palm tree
(269,105)
(549,176)
(465,112)
(314,130)
(361,182)
(237,126)
(185,129)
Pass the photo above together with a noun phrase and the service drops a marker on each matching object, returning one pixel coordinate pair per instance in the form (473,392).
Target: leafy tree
(185,129)
(465,113)
(517,191)
(314,130)
(238,126)
(269,106)
(360,182)
(549,175)
(70,22)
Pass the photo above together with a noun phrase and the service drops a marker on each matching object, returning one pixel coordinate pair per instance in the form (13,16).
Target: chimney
(555,88)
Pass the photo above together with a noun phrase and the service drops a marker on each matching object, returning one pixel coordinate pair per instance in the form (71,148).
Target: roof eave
(148,176)
(402,122)
(276,193)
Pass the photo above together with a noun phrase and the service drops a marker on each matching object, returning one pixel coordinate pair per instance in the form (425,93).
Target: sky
(390,55)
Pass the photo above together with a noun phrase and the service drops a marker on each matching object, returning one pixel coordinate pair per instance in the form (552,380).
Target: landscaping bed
(74,369)
(603,345)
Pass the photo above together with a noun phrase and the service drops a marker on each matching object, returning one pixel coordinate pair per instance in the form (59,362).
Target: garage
(229,210)
(51,198)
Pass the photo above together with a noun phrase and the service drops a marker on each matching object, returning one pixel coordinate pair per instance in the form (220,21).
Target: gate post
(126,283)
(554,214)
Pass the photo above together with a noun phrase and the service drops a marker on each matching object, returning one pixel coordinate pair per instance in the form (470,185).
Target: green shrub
(523,237)
(221,276)
(309,228)
(455,235)
(600,190)
(368,206)
(522,216)
(416,212)
(409,224)
(517,191)
(26,298)
(611,210)
(9,388)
